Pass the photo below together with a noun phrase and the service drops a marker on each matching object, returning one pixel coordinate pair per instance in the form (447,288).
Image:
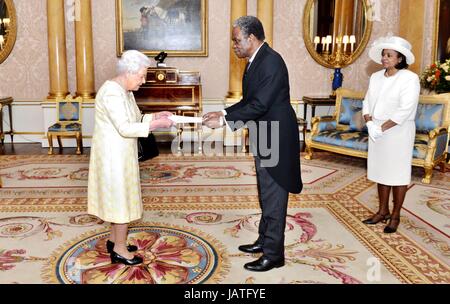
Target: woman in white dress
(114,191)
(389,110)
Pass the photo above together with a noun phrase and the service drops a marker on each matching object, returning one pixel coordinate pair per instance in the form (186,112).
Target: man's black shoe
(263,264)
(251,248)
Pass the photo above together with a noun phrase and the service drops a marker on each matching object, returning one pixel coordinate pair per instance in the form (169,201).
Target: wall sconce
(316,42)
(345,41)
(329,41)
(352,42)
(6,22)
(323,41)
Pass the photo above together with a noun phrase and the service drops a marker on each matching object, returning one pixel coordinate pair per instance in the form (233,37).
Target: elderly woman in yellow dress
(114,192)
(389,110)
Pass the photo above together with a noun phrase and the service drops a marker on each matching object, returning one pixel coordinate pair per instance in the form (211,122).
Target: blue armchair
(346,133)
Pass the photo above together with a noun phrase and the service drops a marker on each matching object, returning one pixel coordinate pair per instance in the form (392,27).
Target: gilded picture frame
(441,40)
(8,30)
(177,27)
(363,31)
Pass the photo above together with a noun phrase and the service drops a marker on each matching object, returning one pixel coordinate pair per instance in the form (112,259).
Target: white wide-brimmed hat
(391,43)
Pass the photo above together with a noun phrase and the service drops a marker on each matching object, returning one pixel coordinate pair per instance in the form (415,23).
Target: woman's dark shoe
(392,226)
(110,247)
(117,258)
(376,218)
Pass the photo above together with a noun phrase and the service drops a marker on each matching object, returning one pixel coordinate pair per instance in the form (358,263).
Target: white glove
(378,132)
(375,131)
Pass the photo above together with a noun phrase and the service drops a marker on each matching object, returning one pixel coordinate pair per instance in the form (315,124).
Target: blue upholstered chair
(68,122)
(346,133)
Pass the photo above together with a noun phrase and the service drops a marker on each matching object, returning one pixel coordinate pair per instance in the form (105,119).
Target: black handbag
(147,148)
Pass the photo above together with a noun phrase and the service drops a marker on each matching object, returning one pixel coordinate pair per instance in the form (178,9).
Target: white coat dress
(396,98)
(114,191)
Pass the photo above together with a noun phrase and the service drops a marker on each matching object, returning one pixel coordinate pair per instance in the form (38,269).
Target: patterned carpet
(198,210)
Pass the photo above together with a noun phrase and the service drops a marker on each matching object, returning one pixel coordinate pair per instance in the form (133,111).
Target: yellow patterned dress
(114,191)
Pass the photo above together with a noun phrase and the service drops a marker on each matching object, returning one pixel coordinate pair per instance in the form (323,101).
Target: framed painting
(441,43)
(177,27)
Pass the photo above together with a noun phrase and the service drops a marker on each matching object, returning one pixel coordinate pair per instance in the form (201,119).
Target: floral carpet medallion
(199,209)
(171,256)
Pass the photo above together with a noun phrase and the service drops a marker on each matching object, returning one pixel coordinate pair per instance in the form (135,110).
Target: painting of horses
(177,27)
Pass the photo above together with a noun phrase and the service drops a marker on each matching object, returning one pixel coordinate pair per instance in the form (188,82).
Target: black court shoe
(110,247)
(117,258)
(391,227)
(376,218)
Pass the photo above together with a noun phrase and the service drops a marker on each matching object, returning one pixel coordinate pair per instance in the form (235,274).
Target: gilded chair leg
(443,166)
(179,134)
(304,139)
(81,142)
(50,144)
(59,142)
(244,137)
(200,145)
(428,173)
(78,137)
(2,135)
(309,153)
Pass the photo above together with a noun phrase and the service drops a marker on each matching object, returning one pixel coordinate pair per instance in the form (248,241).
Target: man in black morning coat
(265,108)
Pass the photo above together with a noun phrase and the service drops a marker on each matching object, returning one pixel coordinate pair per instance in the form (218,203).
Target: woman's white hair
(131,62)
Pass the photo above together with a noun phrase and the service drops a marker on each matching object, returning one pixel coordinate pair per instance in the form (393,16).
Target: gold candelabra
(337,56)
